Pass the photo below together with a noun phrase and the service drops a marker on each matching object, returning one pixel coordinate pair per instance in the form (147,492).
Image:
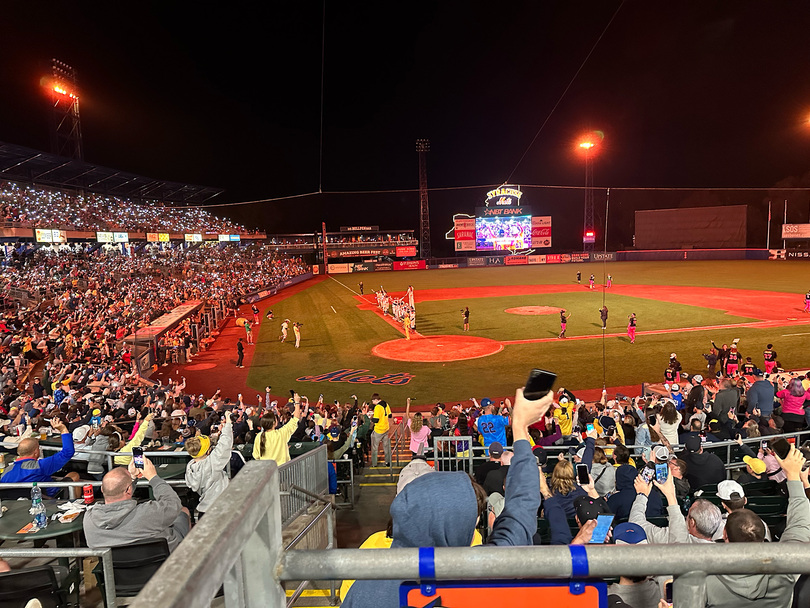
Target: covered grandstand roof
(32,166)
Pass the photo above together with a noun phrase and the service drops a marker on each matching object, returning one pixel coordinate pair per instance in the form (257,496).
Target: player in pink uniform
(631,328)
(770,359)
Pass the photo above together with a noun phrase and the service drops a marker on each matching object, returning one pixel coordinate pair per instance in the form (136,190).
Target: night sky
(698,94)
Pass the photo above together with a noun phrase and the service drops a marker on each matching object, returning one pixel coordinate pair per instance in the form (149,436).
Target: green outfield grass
(488,319)
(343,339)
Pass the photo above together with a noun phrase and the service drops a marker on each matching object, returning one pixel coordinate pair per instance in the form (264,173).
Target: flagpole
(768,238)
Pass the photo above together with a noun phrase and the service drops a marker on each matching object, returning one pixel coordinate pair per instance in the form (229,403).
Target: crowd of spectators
(350,237)
(35,206)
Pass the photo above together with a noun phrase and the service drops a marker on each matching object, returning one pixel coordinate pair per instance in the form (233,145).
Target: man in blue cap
(491,425)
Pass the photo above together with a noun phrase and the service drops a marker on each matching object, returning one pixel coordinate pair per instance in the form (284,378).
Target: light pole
(588,229)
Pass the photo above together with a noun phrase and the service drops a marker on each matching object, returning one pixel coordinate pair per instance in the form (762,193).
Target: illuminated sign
(228,238)
(121,237)
(193,238)
(104,237)
(48,235)
(502,211)
(589,237)
(796,231)
(406,251)
(157,237)
(505,196)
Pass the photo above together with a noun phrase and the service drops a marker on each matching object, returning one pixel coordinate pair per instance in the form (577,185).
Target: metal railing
(446,459)
(454,454)
(308,471)
(104,555)
(239,542)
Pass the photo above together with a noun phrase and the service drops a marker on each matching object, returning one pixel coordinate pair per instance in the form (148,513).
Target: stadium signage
(359,228)
(796,231)
(358,376)
(603,256)
(406,251)
(157,237)
(503,211)
(504,196)
(476,262)
(797,254)
(48,235)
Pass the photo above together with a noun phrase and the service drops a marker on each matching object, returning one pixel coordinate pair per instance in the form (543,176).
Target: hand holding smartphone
(583,477)
(600,532)
(137,457)
(539,383)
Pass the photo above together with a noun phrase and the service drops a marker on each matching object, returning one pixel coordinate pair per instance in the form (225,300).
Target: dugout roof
(25,165)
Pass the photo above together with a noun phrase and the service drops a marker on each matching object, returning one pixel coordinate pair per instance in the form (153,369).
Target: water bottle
(37,508)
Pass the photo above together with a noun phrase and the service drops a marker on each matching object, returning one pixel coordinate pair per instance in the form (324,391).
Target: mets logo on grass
(359,376)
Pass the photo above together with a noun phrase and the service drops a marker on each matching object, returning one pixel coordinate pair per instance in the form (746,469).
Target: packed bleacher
(699,461)
(32,206)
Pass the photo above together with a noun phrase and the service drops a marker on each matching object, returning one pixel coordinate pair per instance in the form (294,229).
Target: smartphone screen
(539,383)
(137,457)
(651,420)
(668,592)
(582,474)
(647,474)
(764,446)
(600,532)
(589,427)
(661,472)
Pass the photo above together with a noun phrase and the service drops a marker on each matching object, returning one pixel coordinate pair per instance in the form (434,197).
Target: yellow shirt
(133,443)
(564,415)
(379,540)
(276,443)
(381,413)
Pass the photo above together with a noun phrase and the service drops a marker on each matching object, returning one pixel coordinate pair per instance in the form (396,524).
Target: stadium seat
(801,592)
(766,487)
(19,586)
(134,565)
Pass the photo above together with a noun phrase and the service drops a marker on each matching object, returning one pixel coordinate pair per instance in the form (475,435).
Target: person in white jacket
(206,474)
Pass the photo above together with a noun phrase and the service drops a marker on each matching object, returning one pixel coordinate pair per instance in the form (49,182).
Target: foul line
(804,334)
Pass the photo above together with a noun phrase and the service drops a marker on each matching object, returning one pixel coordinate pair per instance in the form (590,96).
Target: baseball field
(348,346)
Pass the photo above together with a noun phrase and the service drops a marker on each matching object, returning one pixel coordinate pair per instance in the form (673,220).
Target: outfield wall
(556,258)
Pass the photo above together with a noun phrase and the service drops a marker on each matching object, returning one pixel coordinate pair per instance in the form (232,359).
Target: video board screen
(501,229)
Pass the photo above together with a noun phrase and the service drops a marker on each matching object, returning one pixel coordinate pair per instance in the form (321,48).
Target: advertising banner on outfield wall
(337,268)
(446,266)
(553,258)
(464,233)
(410,265)
(537,259)
(796,231)
(383,266)
(580,257)
(516,260)
(541,231)
(494,260)
(408,251)
(603,256)
(797,254)
(363,267)
(476,262)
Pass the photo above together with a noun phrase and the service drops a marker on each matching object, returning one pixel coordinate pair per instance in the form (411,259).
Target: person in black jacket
(703,468)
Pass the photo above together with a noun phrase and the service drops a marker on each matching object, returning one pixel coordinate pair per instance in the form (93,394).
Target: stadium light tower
(422,148)
(588,145)
(66,126)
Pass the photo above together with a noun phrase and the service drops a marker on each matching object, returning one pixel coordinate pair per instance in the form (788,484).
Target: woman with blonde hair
(419,431)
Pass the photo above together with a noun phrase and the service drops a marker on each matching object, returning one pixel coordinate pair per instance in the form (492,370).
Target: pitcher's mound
(437,348)
(533,310)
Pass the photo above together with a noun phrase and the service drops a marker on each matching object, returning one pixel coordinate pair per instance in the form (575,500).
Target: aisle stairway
(375,488)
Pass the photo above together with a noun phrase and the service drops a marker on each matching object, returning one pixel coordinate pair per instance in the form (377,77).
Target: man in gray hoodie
(763,590)
(441,509)
(120,520)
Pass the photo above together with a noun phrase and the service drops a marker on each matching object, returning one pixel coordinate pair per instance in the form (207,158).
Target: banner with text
(464,233)
(411,265)
(796,231)
(541,231)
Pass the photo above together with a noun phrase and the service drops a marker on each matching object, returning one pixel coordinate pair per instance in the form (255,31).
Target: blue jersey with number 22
(493,428)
